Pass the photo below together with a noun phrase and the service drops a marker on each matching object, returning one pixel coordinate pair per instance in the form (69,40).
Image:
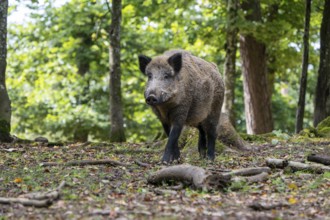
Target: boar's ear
(175,61)
(143,62)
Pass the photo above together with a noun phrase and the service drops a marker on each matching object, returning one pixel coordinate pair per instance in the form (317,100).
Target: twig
(141,164)
(85,162)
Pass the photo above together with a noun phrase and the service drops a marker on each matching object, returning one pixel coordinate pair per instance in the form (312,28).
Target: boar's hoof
(202,154)
(169,158)
(210,157)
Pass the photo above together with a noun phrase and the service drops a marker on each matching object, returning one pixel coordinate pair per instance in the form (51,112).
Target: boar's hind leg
(210,129)
(211,137)
(201,142)
(172,151)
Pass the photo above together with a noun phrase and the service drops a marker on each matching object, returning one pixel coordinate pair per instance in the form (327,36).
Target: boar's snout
(151,100)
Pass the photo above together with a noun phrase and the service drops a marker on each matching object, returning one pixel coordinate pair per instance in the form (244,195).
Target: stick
(257,206)
(319,159)
(85,162)
(252,179)
(141,164)
(248,171)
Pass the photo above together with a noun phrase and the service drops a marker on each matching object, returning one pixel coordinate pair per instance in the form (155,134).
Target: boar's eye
(149,75)
(167,76)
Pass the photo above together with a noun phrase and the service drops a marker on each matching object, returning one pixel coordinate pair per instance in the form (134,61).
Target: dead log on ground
(297,166)
(202,179)
(319,159)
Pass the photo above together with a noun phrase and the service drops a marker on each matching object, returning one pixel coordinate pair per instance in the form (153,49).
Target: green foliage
(323,128)
(46,53)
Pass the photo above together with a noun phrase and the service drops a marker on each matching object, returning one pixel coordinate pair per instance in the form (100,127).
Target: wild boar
(183,89)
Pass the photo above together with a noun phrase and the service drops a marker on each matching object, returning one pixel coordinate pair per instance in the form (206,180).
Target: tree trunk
(116,111)
(322,93)
(303,79)
(5,107)
(257,100)
(230,60)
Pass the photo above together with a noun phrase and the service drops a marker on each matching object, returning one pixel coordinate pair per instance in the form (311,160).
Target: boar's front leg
(167,128)
(172,151)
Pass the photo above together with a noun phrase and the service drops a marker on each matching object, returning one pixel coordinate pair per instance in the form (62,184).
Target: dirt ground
(122,191)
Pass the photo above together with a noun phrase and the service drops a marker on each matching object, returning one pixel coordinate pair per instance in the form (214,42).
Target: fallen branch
(252,179)
(85,162)
(202,179)
(276,163)
(319,159)
(248,171)
(26,202)
(38,199)
(196,176)
(297,166)
(260,206)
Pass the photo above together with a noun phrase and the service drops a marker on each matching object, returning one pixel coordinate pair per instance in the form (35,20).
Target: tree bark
(5,105)
(257,99)
(230,60)
(322,93)
(116,111)
(303,79)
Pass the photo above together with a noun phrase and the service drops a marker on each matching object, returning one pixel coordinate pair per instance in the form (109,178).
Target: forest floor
(122,191)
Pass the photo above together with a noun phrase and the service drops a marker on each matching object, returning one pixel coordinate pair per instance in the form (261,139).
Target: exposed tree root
(40,199)
(319,159)
(85,162)
(297,166)
(202,179)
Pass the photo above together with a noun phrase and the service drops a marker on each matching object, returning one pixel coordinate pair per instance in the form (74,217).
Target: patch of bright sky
(21,14)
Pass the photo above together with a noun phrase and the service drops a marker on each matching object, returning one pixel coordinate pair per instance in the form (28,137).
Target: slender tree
(257,99)
(322,93)
(116,111)
(303,79)
(230,60)
(5,107)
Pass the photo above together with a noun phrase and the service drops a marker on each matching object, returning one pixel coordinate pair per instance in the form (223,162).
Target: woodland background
(57,72)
